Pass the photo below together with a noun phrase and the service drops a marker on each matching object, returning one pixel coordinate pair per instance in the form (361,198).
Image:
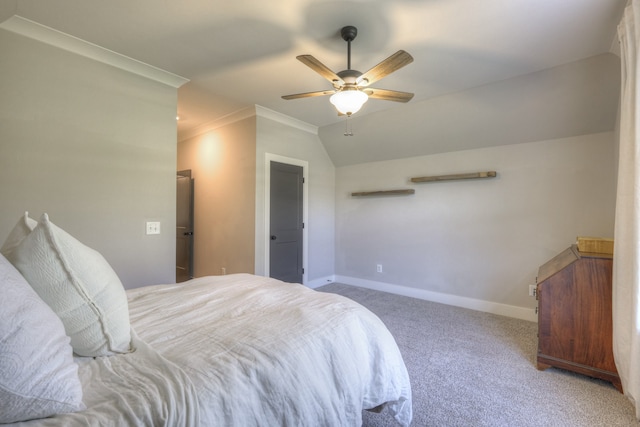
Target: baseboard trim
(316,283)
(458,301)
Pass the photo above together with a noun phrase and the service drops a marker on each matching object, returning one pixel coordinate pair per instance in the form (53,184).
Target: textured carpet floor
(469,368)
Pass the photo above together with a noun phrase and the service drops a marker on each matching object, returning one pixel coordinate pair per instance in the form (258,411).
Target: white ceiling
(473,58)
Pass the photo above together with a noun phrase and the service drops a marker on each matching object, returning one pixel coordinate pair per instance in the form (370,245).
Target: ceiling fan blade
(309,94)
(388,95)
(321,69)
(386,67)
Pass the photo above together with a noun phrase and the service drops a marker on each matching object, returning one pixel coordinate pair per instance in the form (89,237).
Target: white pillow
(38,377)
(79,285)
(19,232)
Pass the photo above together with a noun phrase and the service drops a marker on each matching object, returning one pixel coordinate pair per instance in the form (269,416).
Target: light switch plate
(153,227)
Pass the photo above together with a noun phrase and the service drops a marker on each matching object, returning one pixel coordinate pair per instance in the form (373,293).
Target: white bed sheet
(136,389)
(245,350)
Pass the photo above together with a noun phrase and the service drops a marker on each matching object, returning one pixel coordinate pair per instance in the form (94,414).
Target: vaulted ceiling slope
(485,72)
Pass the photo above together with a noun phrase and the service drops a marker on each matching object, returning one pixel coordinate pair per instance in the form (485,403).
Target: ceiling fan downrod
(349,34)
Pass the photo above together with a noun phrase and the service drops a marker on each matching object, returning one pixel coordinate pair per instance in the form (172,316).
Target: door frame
(269,157)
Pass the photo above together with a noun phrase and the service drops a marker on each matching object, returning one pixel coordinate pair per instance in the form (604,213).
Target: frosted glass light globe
(349,101)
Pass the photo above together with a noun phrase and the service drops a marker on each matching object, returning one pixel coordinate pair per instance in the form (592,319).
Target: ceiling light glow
(349,100)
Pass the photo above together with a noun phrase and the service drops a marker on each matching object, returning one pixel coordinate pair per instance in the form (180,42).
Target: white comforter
(244,350)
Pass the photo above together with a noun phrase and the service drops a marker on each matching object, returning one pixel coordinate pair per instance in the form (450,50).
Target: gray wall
(93,146)
(475,243)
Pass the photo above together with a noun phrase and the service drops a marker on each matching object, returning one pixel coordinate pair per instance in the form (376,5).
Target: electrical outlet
(153,227)
(532,290)
(224,271)
(379,268)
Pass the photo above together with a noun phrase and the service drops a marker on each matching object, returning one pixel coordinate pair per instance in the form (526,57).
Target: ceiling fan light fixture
(349,100)
(348,94)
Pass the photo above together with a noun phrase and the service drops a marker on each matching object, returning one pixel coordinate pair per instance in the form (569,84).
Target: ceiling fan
(351,87)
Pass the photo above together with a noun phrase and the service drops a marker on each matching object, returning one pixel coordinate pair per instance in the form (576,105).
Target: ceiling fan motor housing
(349,76)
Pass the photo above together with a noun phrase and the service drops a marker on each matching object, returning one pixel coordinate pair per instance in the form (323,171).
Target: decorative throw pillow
(38,377)
(79,285)
(19,232)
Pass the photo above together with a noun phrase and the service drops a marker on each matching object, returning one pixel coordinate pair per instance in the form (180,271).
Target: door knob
(274,237)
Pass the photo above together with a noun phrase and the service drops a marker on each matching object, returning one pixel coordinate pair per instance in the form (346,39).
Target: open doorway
(184,226)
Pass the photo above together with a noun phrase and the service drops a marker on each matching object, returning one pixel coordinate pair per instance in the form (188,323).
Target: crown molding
(212,125)
(53,37)
(286,120)
(236,116)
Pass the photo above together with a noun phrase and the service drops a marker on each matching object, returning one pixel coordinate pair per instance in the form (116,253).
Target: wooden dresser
(574,314)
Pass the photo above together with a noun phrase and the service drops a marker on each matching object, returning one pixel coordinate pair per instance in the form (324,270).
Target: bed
(235,350)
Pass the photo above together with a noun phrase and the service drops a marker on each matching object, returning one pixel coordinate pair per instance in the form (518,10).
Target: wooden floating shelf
(474,175)
(383,193)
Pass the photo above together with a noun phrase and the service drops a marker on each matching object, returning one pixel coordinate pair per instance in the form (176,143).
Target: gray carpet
(469,368)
